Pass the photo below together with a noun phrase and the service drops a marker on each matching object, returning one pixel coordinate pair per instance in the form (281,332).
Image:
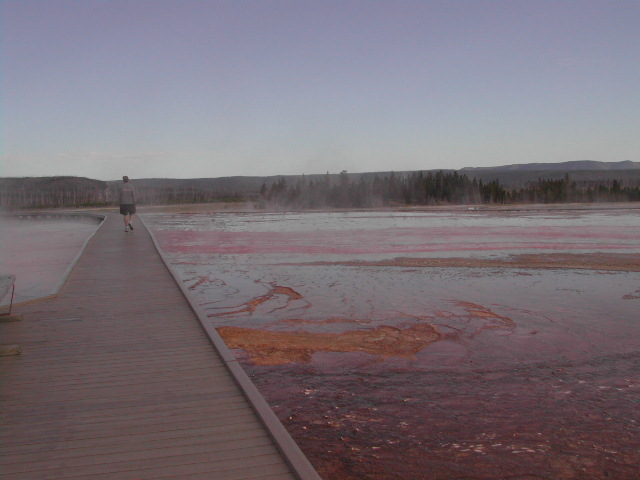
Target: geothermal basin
(436,345)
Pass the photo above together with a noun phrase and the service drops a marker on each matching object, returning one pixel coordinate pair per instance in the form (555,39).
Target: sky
(197,88)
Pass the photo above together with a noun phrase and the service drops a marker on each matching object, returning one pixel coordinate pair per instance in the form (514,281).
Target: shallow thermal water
(410,372)
(38,250)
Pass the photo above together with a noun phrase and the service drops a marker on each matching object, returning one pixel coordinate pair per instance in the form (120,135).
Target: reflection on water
(397,370)
(38,250)
(259,238)
(336,221)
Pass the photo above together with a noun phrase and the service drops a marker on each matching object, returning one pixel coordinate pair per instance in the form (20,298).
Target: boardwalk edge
(289,449)
(65,275)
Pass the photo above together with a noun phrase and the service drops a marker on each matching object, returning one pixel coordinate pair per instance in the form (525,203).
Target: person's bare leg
(133,216)
(126,222)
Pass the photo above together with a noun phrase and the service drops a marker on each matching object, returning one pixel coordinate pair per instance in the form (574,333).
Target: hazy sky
(196,88)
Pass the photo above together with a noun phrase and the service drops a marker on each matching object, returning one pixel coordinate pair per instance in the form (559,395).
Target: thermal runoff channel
(464,344)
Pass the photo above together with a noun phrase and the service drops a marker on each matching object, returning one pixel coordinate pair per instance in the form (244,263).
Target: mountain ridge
(568,166)
(510,176)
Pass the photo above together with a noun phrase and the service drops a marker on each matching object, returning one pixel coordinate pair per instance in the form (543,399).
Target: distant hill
(590,165)
(511,176)
(586,172)
(43,192)
(248,185)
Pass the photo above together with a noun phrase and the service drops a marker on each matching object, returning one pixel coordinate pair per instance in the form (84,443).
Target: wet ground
(466,345)
(38,249)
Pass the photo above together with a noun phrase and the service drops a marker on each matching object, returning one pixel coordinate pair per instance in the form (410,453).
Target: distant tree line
(436,188)
(567,190)
(52,192)
(328,191)
(73,192)
(173,195)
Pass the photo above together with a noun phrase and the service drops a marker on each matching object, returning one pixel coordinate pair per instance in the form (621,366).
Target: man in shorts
(127,203)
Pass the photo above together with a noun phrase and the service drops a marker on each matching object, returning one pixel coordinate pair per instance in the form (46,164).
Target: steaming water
(533,371)
(39,249)
(232,262)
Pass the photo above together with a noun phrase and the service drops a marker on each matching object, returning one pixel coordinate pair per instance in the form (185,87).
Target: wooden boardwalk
(119,380)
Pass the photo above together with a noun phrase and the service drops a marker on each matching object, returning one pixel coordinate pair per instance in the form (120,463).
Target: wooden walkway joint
(120,378)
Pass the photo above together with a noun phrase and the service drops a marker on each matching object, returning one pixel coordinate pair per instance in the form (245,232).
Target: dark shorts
(127,209)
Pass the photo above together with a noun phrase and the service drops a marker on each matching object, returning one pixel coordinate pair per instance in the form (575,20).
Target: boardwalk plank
(177,354)
(158,382)
(139,439)
(19,411)
(168,411)
(233,469)
(83,429)
(228,437)
(92,458)
(175,466)
(225,410)
(105,374)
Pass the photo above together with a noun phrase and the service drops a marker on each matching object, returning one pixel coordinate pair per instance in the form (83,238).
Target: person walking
(127,196)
